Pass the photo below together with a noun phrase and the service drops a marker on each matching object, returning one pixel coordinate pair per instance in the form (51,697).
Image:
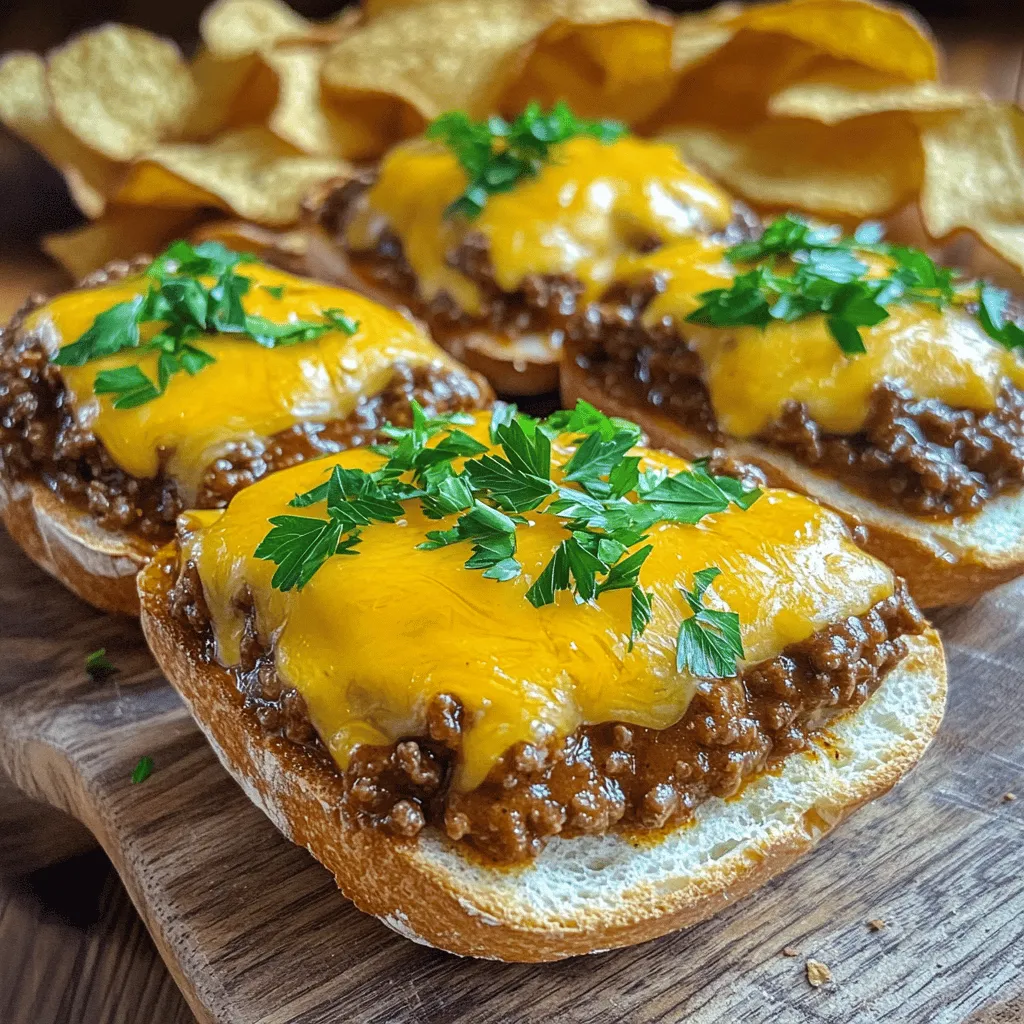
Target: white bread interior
(580,895)
(943,562)
(96,564)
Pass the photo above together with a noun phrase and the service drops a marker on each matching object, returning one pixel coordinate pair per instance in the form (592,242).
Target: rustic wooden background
(72,948)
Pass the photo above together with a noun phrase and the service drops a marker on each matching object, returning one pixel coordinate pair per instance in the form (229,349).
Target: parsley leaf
(992,305)
(186,308)
(497,154)
(298,546)
(488,494)
(129,385)
(142,770)
(826,277)
(114,329)
(709,642)
(98,665)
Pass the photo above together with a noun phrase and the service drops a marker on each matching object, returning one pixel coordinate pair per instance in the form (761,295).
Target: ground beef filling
(921,456)
(41,439)
(541,305)
(605,777)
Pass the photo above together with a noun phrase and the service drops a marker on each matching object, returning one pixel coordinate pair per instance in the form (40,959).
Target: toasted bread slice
(580,895)
(944,562)
(96,564)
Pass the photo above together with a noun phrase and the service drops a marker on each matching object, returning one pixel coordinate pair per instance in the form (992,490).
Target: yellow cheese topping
(374,636)
(250,392)
(751,373)
(589,204)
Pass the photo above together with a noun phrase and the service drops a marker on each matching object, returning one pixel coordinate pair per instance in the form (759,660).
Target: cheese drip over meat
(751,373)
(589,203)
(250,392)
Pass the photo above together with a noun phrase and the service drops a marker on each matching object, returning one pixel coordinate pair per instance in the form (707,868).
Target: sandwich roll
(528,689)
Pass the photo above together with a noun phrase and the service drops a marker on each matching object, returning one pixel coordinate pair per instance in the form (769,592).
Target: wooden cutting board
(254,930)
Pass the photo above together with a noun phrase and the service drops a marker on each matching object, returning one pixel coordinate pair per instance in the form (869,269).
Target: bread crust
(943,564)
(95,564)
(434,894)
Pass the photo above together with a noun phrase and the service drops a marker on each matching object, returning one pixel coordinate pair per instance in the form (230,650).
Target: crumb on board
(876,924)
(1009,797)
(818,973)
(790,951)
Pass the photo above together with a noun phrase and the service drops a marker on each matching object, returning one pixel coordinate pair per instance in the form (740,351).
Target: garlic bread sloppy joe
(172,383)
(488,642)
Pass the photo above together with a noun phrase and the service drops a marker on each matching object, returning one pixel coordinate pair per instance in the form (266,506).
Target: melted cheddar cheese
(752,373)
(250,392)
(374,636)
(589,204)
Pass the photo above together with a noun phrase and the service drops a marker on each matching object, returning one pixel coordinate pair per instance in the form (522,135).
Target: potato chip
(731,88)
(235,93)
(734,61)
(863,168)
(429,58)
(249,172)
(297,116)
(375,8)
(831,103)
(26,109)
(120,90)
(620,70)
(236,28)
(697,36)
(974,175)
(119,234)
(879,37)
(239,69)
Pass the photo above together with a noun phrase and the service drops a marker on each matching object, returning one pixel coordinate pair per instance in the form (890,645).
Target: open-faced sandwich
(529,690)
(850,369)
(493,233)
(170,384)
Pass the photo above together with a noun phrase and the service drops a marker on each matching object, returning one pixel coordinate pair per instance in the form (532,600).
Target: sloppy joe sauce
(251,413)
(444,697)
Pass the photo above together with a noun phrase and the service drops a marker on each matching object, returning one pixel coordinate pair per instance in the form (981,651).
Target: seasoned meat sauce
(40,437)
(918,455)
(612,776)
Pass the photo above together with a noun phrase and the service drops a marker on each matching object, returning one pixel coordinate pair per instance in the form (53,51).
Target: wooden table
(72,948)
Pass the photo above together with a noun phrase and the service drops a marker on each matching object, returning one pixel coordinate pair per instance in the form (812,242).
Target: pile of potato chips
(829,106)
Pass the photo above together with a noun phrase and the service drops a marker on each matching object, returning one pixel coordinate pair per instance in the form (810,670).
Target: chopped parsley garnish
(98,665)
(186,309)
(822,274)
(497,154)
(605,502)
(709,640)
(143,769)
(992,304)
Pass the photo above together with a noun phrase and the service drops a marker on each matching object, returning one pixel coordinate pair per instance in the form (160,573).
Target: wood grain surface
(254,931)
(75,950)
